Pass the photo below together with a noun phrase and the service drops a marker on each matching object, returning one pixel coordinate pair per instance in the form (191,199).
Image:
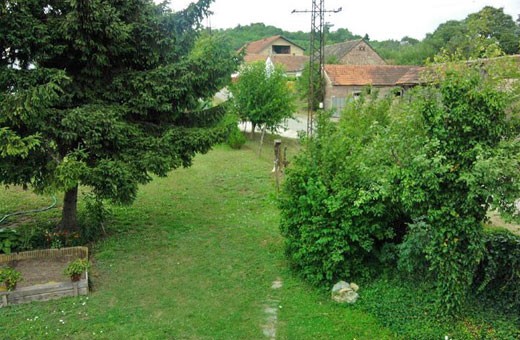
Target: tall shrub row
(408,180)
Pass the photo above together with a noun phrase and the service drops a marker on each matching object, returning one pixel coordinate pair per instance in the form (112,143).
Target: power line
(316,56)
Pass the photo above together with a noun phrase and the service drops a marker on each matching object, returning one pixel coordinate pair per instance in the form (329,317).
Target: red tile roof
(258,46)
(384,75)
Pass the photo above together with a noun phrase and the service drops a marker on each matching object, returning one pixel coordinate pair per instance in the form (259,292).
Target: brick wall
(362,54)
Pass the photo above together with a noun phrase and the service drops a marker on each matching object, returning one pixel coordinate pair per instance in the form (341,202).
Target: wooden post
(285,162)
(4,299)
(277,162)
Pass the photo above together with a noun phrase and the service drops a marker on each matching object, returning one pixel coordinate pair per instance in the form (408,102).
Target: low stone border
(44,292)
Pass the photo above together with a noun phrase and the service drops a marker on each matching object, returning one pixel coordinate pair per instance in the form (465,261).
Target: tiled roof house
(281,50)
(353,52)
(348,81)
(277,44)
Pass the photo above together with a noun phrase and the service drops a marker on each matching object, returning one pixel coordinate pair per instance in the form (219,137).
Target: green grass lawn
(195,257)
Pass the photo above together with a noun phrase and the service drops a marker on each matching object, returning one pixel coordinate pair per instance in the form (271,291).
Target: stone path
(271,308)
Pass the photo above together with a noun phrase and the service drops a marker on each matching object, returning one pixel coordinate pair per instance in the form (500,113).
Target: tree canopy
(487,26)
(104,94)
(470,36)
(261,96)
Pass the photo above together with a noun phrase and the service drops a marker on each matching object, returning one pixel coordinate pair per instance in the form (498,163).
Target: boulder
(343,292)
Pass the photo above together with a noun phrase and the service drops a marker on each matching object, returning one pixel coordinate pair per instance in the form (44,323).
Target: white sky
(381,19)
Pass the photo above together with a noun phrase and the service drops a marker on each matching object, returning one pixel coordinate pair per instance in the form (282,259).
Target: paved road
(290,128)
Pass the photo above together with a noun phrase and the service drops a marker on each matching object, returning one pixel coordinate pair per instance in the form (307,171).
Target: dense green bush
(336,206)
(10,240)
(441,158)
(498,274)
(236,138)
(408,309)
(42,236)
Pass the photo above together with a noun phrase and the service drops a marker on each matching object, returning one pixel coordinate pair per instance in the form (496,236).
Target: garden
(180,235)
(196,257)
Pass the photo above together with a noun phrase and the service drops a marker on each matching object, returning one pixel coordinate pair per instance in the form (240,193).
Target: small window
(281,49)
(398,92)
(337,104)
(356,95)
(361,48)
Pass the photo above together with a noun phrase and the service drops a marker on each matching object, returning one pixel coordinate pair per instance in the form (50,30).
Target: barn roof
(339,50)
(383,75)
(258,46)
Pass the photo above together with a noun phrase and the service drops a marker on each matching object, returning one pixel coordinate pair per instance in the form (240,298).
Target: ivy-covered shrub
(498,274)
(337,206)
(440,157)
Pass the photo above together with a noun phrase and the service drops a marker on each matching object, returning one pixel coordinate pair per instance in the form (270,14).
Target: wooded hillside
(489,26)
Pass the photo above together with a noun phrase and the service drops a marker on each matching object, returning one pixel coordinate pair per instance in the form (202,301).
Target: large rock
(343,292)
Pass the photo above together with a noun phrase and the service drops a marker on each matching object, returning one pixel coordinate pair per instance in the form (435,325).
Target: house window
(398,91)
(281,49)
(361,48)
(356,95)
(337,105)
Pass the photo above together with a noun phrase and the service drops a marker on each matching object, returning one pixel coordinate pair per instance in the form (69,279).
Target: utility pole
(316,56)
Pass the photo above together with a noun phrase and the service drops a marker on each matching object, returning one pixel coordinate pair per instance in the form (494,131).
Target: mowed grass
(193,258)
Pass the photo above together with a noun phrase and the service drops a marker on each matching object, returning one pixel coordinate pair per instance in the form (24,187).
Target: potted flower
(76,268)
(10,277)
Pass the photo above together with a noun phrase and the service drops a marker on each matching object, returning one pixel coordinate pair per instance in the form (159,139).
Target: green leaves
(441,159)
(262,98)
(106,93)
(13,145)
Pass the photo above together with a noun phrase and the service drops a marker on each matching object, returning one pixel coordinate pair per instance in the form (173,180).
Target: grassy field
(196,257)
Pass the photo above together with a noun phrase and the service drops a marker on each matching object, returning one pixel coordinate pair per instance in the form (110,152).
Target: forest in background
(470,37)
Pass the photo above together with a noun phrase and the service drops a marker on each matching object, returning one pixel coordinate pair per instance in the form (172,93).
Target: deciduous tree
(262,97)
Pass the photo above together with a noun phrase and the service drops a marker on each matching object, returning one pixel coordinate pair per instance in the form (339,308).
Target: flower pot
(10,285)
(75,277)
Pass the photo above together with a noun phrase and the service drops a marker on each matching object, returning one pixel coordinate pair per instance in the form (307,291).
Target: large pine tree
(104,93)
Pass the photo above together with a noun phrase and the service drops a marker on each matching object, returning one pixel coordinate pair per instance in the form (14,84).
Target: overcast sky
(380,19)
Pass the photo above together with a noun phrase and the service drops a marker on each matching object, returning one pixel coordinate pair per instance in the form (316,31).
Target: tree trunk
(69,221)
(253,127)
(261,140)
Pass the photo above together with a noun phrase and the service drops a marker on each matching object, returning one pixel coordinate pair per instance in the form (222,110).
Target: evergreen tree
(103,94)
